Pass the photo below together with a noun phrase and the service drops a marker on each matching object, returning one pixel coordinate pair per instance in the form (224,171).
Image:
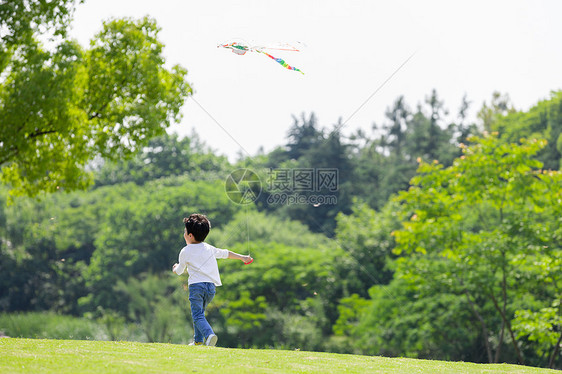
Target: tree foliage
(63,107)
(20,20)
(165,156)
(542,121)
(485,227)
(366,237)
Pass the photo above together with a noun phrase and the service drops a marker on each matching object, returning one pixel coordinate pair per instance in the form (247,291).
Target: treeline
(445,241)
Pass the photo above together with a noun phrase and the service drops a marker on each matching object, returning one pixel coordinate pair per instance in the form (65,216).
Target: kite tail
(282,62)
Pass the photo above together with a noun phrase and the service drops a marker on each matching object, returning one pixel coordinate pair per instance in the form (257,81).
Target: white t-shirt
(201,262)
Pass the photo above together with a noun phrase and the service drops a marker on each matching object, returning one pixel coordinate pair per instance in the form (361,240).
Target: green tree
(350,309)
(243,316)
(35,273)
(366,237)
(543,120)
(157,303)
(372,181)
(396,130)
(61,108)
(500,105)
(384,164)
(294,274)
(20,20)
(316,151)
(67,251)
(303,136)
(251,226)
(541,327)
(437,112)
(484,228)
(464,130)
(428,137)
(165,156)
(133,240)
(400,320)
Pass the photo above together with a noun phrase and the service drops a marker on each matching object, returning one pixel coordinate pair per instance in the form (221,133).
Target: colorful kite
(241,49)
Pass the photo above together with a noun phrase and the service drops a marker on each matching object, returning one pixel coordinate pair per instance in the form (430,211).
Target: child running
(200,259)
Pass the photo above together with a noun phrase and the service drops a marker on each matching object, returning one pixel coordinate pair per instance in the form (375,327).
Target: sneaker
(211,340)
(196,343)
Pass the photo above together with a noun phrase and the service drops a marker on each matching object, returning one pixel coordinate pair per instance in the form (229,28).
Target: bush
(50,326)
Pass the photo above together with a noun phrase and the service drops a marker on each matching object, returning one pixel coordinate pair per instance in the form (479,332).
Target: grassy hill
(79,356)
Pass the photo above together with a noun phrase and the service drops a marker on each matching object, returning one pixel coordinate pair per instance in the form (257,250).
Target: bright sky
(352,47)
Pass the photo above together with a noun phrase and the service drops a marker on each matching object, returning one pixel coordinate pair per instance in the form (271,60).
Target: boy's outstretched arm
(236,256)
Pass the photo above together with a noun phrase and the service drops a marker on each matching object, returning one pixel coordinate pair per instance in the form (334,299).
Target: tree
(464,130)
(486,228)
(154,301)
(400,320)
(385,165)
(398,116)
(370,175)
(38,268)
(165,156)
(132,240)
(288,283)
(243,316)
(543,120)
(61,108)
(303,136)
(21,19)
(500,105)
(427,136)
(365,236)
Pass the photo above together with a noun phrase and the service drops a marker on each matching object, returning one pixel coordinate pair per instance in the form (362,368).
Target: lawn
(82,356)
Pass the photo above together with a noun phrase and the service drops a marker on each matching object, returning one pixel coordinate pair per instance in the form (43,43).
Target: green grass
(80,356)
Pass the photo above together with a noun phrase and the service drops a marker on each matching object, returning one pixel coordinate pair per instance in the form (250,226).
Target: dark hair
(198,225)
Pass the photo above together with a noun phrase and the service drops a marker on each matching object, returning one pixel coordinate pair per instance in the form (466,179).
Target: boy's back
(201,262)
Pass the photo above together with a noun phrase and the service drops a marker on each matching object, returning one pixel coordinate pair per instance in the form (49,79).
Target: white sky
(473,47)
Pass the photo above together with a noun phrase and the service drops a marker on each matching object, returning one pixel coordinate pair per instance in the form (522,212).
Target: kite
(241,49)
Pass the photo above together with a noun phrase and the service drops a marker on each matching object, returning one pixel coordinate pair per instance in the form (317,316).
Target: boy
(200,260)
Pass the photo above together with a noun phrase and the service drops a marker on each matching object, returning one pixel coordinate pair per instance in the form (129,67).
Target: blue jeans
(200,295)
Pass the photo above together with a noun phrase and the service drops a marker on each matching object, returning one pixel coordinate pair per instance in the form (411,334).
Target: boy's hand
(247,260)
(174,267)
